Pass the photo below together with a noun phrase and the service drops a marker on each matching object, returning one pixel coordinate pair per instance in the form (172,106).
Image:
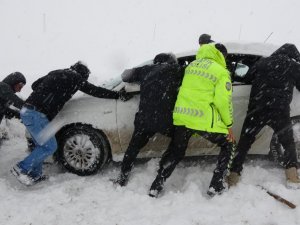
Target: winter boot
(217,185)
(121,180)
(292,179)
(232,179)
(156,187)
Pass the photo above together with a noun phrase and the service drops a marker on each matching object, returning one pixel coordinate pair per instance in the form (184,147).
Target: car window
(238,66)
(241,70)
(186,60)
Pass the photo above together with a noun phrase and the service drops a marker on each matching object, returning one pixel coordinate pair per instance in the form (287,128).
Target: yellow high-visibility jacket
(204,101)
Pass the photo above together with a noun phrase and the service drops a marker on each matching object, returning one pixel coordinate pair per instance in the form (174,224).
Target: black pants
(279,121)
(177,148)
(139,139)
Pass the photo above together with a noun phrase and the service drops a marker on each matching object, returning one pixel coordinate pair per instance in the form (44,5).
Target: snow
(40,36)
(69,199)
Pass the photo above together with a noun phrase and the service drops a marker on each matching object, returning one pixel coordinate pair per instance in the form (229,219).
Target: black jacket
(52,91)
(159,85)
(274,79)
(8,96)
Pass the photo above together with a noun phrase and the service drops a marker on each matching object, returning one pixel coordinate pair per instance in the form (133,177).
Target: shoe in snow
(40,179)
(232,179)
(22,177)
(121,180)
(217,186)
(292,179)
(26,179)
(156,188)
(212,191)
(153,193)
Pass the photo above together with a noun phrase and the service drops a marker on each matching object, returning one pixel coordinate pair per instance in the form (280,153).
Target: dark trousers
(279,121)
(177,148)
(139,139)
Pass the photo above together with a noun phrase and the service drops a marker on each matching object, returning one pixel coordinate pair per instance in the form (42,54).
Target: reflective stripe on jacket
(204,101)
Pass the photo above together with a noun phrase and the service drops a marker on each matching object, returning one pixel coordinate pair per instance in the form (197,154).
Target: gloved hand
(124,96)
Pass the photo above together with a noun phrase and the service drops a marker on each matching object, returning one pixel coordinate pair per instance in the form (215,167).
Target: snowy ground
(68,199)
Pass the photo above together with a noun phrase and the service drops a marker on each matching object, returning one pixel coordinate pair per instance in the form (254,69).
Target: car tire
(276,149)
(82,149)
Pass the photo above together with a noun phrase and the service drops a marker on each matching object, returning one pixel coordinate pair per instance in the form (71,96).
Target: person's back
(159,90)
(159,83)
(52,91)
(201,98)
(11,84)
(275,78)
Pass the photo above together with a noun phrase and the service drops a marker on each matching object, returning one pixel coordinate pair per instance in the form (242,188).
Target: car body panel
(97,112)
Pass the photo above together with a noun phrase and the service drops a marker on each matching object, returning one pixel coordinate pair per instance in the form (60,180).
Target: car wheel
(82,149)
(276,149)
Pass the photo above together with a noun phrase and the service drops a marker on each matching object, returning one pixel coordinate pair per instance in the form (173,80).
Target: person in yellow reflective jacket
(203,107)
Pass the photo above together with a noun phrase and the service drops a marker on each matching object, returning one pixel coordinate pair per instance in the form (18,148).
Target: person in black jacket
(273,80)
(49,95)
(11,84)
(159,83)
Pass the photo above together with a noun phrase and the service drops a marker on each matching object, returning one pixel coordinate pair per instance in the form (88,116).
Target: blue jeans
(35,122)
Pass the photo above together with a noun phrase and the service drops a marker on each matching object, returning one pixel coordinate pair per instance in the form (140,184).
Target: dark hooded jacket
(274,79)
(8,96)
(52,91)
(159,84)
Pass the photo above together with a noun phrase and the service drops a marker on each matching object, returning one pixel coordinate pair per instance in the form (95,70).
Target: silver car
(92,131)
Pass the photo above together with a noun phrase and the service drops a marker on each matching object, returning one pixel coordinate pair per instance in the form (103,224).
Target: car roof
(263,49)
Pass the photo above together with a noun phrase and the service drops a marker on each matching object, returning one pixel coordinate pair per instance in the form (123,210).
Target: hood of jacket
(289,50)
(14,78)
(209,51)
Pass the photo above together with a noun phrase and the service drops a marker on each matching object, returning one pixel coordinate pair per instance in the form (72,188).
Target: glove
(124,96)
